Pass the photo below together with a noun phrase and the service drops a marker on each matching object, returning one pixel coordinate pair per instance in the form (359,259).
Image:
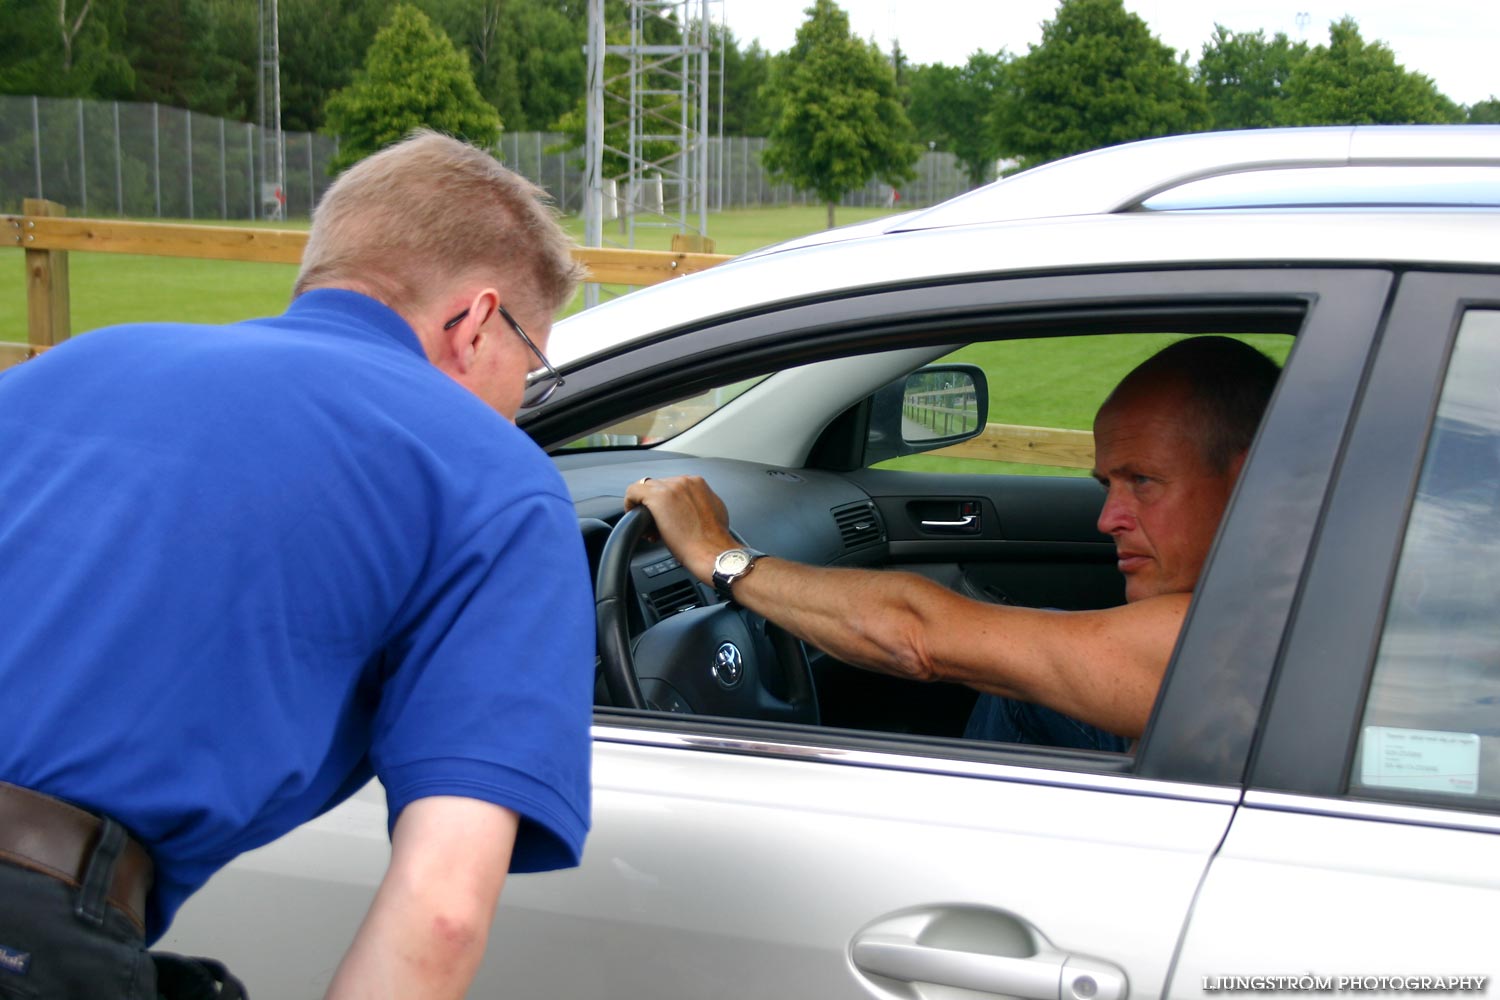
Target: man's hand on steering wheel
(690,519)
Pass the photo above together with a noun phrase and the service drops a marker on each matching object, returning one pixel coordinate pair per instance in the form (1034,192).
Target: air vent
(859,524)
(672,598)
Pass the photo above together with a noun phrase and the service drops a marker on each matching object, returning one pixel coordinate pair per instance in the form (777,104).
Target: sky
(1451,41)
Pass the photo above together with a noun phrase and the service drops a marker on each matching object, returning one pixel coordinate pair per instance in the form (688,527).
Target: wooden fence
(955,410)
(47,236)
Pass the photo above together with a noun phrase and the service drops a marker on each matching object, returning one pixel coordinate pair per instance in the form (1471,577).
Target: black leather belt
(46,835)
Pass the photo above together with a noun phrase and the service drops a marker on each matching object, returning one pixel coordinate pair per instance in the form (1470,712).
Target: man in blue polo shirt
(244,569)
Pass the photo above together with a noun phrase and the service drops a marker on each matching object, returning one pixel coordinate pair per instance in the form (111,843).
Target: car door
(1367,852)
(756,860)
(743,859)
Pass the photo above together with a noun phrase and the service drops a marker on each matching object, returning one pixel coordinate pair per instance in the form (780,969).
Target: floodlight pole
(268,96)
(593,146)
(659,99)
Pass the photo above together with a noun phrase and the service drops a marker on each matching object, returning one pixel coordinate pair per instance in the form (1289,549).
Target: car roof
(1145,204)
(1128,177)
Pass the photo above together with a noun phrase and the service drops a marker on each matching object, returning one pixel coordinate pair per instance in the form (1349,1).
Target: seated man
(1169,443)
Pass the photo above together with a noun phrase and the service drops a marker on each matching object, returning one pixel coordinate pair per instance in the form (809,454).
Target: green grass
(1057,382)
(119,288)
(742,229)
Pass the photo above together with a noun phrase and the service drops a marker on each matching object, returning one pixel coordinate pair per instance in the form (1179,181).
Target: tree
(838,120)
(234,43)
(544,40)
(947,101)
(64,48)
(1098,77)
(1485,113)
(1245,76)
(527,55)
(475,27)
(1353,82)
(745,75)
(195,54)
(412,77)
(322,43)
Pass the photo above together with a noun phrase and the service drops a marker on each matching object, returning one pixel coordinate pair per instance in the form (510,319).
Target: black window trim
(1308,742)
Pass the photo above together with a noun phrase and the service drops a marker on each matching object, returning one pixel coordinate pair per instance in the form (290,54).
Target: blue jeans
(1005,720)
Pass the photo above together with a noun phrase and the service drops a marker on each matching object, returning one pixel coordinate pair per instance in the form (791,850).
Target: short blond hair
(407,221)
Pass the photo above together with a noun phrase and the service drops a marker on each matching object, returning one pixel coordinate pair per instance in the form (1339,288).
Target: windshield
(665,422)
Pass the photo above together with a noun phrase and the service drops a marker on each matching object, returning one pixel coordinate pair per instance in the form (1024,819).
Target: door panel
(1293,893)
(1033,542)
(732,875)
(1314,875)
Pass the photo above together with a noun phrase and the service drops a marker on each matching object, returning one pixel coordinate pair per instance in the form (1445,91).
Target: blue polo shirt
(244,568)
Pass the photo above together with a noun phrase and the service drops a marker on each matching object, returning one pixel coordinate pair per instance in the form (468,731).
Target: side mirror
(931,408)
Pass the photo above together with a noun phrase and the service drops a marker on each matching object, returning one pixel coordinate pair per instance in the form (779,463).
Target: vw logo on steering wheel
(729,665)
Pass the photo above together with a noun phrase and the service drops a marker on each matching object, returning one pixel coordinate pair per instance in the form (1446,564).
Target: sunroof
(1349,186)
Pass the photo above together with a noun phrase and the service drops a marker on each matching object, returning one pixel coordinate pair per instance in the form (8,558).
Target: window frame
(1309,740)
(1202,728)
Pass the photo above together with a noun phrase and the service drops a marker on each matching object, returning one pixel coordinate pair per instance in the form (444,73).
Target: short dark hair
(1230,383)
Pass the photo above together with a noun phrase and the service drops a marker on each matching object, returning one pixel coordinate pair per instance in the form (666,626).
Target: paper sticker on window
(1422,760)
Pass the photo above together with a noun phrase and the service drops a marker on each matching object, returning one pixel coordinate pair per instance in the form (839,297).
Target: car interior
(966,463)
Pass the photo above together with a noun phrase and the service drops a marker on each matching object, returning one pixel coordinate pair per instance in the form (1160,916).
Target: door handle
(965,522)
(1046,975)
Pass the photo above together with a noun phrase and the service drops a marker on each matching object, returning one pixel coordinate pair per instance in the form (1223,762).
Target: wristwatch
(730,565)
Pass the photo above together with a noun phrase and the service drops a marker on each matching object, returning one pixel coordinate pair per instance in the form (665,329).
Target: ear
(466,339)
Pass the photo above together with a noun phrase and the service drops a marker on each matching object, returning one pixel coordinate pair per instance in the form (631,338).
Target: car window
(1431,726)
(1043,394)
(664,422)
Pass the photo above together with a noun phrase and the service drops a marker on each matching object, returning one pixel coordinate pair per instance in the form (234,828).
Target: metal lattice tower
(648,118)
(271,158)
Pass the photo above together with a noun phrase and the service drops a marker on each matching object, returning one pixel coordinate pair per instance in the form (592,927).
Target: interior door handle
(964,522)
(1047,975)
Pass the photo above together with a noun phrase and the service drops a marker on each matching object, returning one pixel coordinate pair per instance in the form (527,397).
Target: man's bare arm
(1103,667)
(426,932)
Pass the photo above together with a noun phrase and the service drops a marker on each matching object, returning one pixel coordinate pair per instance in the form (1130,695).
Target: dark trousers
(58,942)
(1005,720)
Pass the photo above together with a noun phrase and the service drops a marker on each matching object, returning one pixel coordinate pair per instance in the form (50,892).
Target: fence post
(156,152)
(36,138)
(187,118)
(223,175)
(119,171)
(47,320)
(83,165)
(250,170)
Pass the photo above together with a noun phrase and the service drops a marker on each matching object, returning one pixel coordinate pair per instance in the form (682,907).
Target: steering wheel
(716,660)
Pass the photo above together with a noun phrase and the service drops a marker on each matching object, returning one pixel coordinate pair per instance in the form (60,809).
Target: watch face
(732,562)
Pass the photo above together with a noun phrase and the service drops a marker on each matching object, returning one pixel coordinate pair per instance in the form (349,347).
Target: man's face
(488,357)
(1164,501)
(503,379)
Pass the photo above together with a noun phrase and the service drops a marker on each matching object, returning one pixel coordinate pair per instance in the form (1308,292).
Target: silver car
(1315,805)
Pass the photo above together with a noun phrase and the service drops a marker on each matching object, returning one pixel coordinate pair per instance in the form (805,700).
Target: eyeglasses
(541,383)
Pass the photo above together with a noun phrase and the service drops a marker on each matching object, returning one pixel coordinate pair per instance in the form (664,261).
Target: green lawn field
(119,288)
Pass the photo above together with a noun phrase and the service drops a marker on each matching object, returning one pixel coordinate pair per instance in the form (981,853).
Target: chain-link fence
(736,178)
(102,158)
